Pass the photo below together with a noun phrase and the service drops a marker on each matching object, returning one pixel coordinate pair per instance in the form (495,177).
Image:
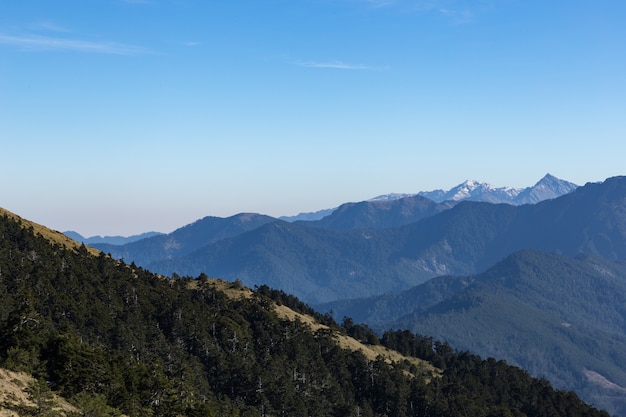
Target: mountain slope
(380,214)
(49,234)
(558,317)
(547,188)
(95,329)
(473,236)
(312,263)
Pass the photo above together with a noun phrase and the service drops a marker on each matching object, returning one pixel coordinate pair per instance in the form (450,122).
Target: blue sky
(123,116)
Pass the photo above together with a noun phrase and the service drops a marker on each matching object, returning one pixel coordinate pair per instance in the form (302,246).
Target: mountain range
(371,248)
(546,188)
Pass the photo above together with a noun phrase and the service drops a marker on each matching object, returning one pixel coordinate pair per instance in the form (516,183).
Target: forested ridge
(98,331)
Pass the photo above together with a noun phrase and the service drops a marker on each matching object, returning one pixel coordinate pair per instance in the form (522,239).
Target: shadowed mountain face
(559,317)
(380,214)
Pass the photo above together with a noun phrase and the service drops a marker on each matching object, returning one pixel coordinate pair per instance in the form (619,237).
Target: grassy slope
(52,235)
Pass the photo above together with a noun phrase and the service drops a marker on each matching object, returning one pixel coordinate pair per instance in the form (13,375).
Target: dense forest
(98,331)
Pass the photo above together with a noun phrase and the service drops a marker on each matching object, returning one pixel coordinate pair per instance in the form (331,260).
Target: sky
(119,117)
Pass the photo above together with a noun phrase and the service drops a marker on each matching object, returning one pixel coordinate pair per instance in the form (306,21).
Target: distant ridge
(546,188)
(381,213)
(307,217)
(186,239)
(111,240)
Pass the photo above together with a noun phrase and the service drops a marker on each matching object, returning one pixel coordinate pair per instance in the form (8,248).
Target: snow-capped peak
(548,187)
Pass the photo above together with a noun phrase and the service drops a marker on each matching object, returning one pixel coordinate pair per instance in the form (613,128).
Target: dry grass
(372,352)
(52,235)
(13,392)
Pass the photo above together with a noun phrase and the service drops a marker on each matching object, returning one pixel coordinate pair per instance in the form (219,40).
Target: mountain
(381,213)
(558,317)
(390,197)
(113,339)
(312,216)
(548,187)
(321,265)
(474,191)
(111,240)
(186,239)
(312,263)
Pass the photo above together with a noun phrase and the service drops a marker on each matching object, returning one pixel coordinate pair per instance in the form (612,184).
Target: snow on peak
(548,187)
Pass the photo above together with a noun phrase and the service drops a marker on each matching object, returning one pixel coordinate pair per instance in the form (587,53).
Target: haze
(119,117)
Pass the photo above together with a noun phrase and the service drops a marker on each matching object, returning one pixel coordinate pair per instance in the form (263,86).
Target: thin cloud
(377,4)
(460,11)
(50,27)
(33,42)
(337,65)
(460,16)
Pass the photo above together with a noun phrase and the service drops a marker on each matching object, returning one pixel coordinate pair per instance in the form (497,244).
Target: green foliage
(43,398)
(92,405)
(116,338)
(555,316)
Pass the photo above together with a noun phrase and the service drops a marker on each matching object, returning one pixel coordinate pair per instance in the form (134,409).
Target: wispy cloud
(460,11)
(458,15)
(337,65)
(376,4)
(49,27)
(48,43)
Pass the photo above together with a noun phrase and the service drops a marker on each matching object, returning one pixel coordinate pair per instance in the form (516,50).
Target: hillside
(49,234)
(314,264)
(558,317)
(99,330)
